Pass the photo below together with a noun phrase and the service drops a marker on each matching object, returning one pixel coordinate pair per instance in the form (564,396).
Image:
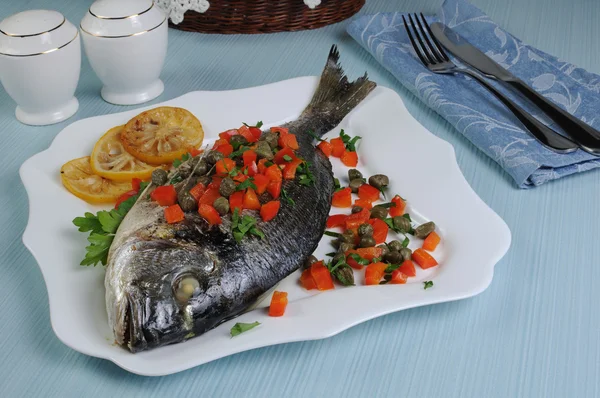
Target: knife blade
(586,136)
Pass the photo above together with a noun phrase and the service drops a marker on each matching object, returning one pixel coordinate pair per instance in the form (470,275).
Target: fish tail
(335,96)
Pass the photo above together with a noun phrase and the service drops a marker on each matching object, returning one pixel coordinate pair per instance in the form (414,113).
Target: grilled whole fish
(150,258)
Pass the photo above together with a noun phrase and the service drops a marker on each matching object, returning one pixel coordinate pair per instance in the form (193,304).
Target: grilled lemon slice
(110,160)
(78,178)
(161,135)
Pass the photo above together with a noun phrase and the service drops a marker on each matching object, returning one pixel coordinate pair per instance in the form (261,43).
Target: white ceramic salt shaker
(126,44)
(40,60)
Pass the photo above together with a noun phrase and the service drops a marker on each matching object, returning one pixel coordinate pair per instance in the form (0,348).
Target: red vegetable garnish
(288,141)
(165,195)
(368,192)
(224,166)
(380,230)
(279,157)
(431,242)
(279,302)
(274,188)
(337,147)
(408,268)
(215,183)
(240,177)
(249,157)
(261,183)
(251,201)
(423,259)
(353,263)
(252,169)
(226,149)
(269,210)
(307,281)
(342,198)
(174,214)
(289,172)
(210,214)
(374,273)
(209,196)
(195,152)
(397,210)
(135,184)
(256,132)
(226,135)
(245,132)
(398,278)
(355,219)
(261,166)
(236,201)
(325,147)
(368,253)
(280,130)
(124,197)
(273,173)
(365,204)
(321,276)
(197,191)
(350,158)
(336,220)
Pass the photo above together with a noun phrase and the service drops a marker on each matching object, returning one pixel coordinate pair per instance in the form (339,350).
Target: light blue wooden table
(535,332)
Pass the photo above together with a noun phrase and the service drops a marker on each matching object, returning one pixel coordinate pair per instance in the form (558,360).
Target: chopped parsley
(244,225)
(332,234)
(287,158)
(184,158)
(427,284)
(336,184)
(241,327)
(257,125)
(350,142)
(284,196)
(238,151)
(249,183)
(305,175)
(313,135)
(359,259)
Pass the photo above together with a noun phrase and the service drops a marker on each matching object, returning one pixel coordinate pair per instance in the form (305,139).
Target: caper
(379,181)
(367,241)
(339,257)
(384,249)
(263,150)
(201,167)
(227,187)
(406,253)
(309,261)
(347,236)
(238,140)
(379,212)
(186,201)
(344,275)
(393,257)
(221,205)
(204,180)
(401,224)
(395,245)
(356,209)
(365,230)
(424,229)
(344,247)
(354,174)
(159,177)
(270,138)
(355,184)
(213,157)
(184,170)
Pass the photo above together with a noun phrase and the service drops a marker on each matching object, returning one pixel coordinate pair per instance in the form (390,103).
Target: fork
(434,58)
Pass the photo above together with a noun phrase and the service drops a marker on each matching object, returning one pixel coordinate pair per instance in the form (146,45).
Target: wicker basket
(267,16)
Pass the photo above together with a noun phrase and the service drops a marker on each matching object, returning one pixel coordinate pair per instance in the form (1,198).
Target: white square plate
(422,168)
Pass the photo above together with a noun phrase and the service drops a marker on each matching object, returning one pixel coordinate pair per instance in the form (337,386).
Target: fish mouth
(133,336)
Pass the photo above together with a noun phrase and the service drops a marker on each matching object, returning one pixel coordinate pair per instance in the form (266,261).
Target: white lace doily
(176,8)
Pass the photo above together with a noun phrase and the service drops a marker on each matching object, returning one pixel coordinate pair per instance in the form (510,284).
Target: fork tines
(429,51)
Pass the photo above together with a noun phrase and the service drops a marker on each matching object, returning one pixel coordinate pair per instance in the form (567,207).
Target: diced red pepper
(220,141)
(240,177)
(279,156)
(307,281)
(350,158)
(273,173)
(342,198)
(224,166)
(365,204)
(210,214)
(269,210)
(245,132)
(408,268)
(399,207)
(288,141)
(124,197)
(368,192)
(236,201)
(289,172)
(215,183)
(165,195)
(261,183)
(197,191)
(249,157)
(256,132)
(279,302)
(368,253)
(226,149)
(325,147)
(374,273)
(353,263)
(226,135)
(280,130)
(135,184)
(322,276)
(337,147)
(261,166)
(355,219)
(380,230)
(251,201)
(431,242)
(398,278)
(274,188)
(195,152)
(423,259)
(252,169)
(209,196)
(336,220)
(174,214)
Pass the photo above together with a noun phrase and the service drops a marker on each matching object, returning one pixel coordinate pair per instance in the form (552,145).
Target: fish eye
(185,287)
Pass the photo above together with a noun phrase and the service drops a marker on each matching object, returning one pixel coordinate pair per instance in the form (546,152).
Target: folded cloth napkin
(471,109)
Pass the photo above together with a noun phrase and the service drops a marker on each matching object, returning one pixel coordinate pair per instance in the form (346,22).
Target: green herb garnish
(284,196)
(184,158)
(427,284)
(240,328)
(269,163)
(359,259)
(306,176)
(332,254)
(407,216)
(239,151)
(176,179)
(332,267)
(313,135)
(391,268)
(349,141)
(241,226)
(257,125)
(249,183)
(405,242)
(332,234)
(387,205)
(287,158)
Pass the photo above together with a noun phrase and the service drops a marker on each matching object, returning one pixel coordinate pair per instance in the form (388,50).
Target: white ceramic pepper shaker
(40,61)
(126,44)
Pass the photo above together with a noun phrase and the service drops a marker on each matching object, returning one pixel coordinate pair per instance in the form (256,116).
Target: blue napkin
(473,111)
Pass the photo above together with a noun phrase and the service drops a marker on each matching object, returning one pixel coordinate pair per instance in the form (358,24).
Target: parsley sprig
(241,327)
(350,142)
(249,183)
(305,176)
(243,225)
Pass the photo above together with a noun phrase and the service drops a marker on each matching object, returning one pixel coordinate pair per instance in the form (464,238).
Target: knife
(586,136)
